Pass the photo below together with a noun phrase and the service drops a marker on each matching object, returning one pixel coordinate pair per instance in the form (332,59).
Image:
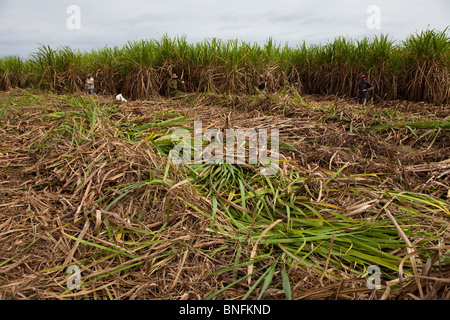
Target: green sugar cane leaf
(240,265)
(25,249)
(242,190)
(116,200)
(264,275)
(117,251)
(285,283)
(233,283)
(267,280)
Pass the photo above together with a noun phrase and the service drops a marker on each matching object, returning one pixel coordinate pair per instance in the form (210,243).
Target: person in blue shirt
(363,88)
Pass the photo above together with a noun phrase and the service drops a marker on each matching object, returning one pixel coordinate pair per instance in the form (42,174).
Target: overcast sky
(25,24)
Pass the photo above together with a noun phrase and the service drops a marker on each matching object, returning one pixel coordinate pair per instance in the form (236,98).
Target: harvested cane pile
(89,183)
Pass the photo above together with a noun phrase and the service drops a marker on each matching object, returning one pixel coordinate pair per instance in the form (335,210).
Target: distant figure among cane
(90,84)
(363,88)
(262,84)
(173,85)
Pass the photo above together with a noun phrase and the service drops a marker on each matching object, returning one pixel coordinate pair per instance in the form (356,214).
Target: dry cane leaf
(253,253)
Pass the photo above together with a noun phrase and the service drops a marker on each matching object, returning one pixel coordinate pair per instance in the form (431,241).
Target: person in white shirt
(90,84)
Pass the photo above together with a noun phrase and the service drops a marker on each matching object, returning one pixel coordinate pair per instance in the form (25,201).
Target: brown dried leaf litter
(48,219)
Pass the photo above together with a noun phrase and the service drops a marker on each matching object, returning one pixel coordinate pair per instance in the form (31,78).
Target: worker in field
(363,88)
(262,84)
(89,84)
(173,85)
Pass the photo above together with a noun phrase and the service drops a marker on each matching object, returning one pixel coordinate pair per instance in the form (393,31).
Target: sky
(86,25)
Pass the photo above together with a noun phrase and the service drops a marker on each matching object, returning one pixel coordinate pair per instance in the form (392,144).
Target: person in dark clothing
(173,85)
(262,84)
(363,88)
